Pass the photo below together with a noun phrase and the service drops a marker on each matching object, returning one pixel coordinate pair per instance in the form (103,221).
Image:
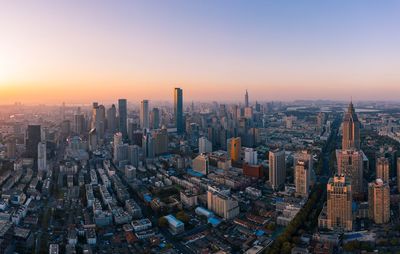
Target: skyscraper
(42,156)
(277,168)
(205,146)
(246,99)
(339,199)
(144,115)
(200,164)
(398,174)
(350,164)
(234,147)
(302,178)
(382,169)
(178,110)
(123,117)
(112,119)
(79,123)
(351,129)
(33,137)
(155,118)
(250,156)
(379,201)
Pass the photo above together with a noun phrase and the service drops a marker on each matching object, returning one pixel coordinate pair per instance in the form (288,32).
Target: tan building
(351,130)
(277,168)
(160,141)
(379,201)
(222,204)
(382,169)
(234,148)
(200,164)
(339,204)
(302,178)
(350,164)
(398,175)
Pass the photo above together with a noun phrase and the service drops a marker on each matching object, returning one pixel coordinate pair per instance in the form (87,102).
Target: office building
(379,201)
(351,130)
(200,164)
(42,156)
(123,117)
(205,146)
(398,174)
(178,110)
(234,148)
(112,119)
(382,169)
(302,178)
(79,124)
(33,137)
(339,204)
(277,168)
(246,99)
(350,164)
(160,137)
(148,146)
(155,118)
(222,204)
(133,155)
(250,156)
(144,115)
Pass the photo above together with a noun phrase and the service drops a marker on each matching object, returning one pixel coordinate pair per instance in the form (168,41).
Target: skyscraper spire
(351,129)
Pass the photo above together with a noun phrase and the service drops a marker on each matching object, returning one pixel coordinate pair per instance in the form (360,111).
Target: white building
(205,146)
(42,158)
(250,156)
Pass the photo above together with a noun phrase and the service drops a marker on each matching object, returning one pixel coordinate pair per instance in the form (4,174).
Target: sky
(81,51)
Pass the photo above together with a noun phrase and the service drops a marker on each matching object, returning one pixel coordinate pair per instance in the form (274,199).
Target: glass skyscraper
(123,116)
(178,110)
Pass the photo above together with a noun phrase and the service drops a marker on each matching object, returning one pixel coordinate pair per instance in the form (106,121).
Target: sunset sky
(82,51)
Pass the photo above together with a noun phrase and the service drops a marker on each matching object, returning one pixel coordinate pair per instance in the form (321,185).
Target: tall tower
(382,169)
(234,147)
(379,201)
(351,130)
(178,109)
(112,119)
(33,137)
(155,118)
(277,168)
(246,99)
(302,178)
(339,201)
(123,117)
(42,158)
(144,115)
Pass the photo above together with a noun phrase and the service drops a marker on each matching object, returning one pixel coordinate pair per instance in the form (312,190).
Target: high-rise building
(155,118)
(382,169)
(178,110)
(350,164)
(118,141)
(222,203)
(305,156)
(148,146)
(93,140)
(339,204)
(277,168)
(133,155)
(234,147)
(33,137)
(379,201)
(205,146)
(123,117)
(144,115)
(398,174)
(11,145)
(79,123)
(42,156)
(250,156)
(160,141)
(246,99)
(112,119)
(200,164)
(351,129)
(302,178)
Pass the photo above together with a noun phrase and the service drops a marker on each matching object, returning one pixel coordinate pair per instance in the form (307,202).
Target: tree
(182,216)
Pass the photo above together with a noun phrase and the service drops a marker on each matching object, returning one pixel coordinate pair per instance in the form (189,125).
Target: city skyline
(279,51)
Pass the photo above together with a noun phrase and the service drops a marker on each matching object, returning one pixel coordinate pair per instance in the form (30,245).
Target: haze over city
(77,52)
(199,127)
